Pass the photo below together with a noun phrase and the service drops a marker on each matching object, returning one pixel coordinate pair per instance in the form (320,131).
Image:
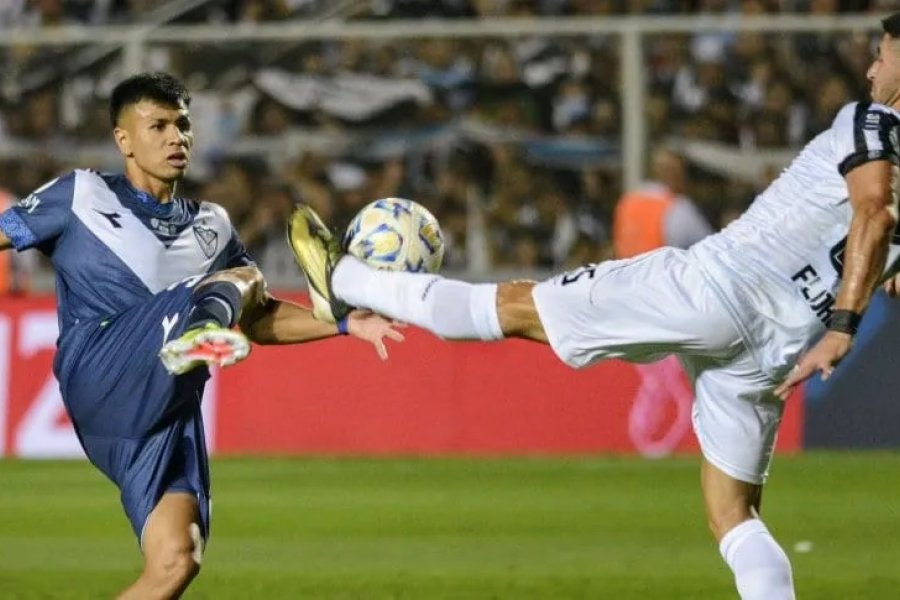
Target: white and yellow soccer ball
(397,235)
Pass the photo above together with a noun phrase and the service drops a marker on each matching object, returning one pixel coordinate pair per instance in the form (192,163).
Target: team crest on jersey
(208,240)
(29,203)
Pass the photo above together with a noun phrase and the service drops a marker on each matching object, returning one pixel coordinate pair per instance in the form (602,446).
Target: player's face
(157,138)
(884,74)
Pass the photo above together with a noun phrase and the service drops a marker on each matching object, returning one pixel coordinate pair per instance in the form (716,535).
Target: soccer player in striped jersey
(149,287)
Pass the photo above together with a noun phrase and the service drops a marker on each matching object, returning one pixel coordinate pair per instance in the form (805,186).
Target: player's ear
(123,141)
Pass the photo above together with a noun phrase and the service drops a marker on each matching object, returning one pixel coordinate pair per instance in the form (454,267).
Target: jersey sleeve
(236,254)
(864,132)
(40,218)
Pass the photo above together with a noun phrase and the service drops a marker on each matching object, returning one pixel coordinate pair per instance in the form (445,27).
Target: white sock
(761,568)
(448,308)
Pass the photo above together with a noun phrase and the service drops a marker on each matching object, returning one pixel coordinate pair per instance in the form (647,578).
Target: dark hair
(891,25)
(159,87)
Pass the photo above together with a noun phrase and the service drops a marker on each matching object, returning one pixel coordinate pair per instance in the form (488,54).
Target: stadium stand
(514,143)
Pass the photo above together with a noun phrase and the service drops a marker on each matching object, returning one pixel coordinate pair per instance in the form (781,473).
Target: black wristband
(844,321)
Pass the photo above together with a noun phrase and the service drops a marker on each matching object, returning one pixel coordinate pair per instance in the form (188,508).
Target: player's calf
(218,302)
(222,297)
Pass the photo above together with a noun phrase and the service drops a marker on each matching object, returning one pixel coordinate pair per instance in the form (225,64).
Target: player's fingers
(890,287)
(381,349)
(396,323)
(796,375)
(783,391)
(395,335)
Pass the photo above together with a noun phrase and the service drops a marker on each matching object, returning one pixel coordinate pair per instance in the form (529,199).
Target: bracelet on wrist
(844,321)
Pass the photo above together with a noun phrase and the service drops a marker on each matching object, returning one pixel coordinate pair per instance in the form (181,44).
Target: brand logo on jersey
(29,203)
(163,227)
(813,290)
(208,240)
(112,217)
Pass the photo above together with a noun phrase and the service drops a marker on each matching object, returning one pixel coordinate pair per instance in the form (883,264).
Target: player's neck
(162,191)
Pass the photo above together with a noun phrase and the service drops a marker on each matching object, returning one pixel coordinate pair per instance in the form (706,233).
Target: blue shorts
(137,423)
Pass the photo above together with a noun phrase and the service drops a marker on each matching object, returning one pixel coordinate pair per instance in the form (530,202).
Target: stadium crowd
(513,143)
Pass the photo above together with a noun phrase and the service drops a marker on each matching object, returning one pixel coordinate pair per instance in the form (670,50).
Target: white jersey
(778,267)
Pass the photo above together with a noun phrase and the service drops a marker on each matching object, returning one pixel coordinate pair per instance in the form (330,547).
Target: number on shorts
(588,270)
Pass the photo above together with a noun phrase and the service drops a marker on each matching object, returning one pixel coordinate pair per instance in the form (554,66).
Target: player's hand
(823,357)
(891,286)
(373,328)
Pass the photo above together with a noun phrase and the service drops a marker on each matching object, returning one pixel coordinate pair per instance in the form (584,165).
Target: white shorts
(660,303)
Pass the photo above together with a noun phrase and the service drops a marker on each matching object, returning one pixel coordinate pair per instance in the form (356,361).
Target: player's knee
(184,568)
(725,517)
(249,280)
(252,277)
(175,572)
(175,564)
(517,313)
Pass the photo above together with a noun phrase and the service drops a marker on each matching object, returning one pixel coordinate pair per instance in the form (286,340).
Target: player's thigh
(736,415)
(119,386)
(638,309)
(171,458)
(173,530)
(728,501)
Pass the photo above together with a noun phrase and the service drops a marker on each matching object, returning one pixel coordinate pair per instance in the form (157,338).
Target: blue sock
(218,303)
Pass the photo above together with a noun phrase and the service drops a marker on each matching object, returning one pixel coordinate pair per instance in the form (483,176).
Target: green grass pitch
(459,528)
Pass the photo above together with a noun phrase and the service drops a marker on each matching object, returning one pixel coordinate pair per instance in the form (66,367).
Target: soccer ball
(397,235)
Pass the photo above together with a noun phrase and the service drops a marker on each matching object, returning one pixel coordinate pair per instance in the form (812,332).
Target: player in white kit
(740,308)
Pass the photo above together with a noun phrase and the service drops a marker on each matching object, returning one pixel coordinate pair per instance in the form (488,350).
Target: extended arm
(277,321)
(873,223)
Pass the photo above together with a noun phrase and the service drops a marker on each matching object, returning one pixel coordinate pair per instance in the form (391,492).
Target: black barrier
(860,406)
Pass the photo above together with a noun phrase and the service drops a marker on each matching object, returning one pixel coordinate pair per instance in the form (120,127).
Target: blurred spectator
(830,97)
(658,213)
(234,186)
(256,11)
(514,142)
(263,233)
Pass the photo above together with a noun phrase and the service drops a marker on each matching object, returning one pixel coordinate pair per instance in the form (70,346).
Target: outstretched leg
(218,304)
(448,308)
(451,309)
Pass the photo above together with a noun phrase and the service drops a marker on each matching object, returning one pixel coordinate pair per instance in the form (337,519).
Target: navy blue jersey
(137,423)
(125,267)
(114,246)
